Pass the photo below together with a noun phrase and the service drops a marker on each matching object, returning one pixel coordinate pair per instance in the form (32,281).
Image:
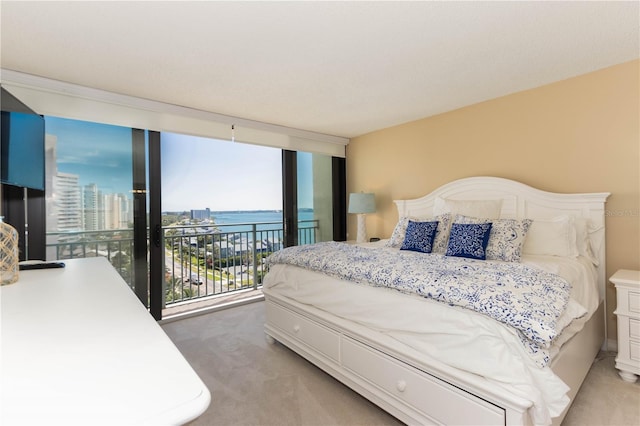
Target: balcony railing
(116,245)
(200,260)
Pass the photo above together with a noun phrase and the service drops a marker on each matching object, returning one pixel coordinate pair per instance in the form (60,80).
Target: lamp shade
(360,202)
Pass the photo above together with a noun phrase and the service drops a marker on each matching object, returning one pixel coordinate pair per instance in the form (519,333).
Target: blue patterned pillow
(419,236)
(469,240)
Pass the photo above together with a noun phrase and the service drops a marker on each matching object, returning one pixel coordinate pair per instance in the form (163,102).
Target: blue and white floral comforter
(528,299)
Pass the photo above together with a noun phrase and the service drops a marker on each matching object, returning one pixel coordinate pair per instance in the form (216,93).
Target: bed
(422,353)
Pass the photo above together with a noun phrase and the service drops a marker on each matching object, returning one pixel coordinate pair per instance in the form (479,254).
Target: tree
(175,291)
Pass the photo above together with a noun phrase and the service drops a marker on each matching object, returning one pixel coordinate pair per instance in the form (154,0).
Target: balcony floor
(208,304)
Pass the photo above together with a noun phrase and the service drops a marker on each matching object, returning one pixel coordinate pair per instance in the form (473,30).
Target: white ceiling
(339,68)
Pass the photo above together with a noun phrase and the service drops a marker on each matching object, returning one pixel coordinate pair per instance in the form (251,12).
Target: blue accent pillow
(469,240)
(419,236)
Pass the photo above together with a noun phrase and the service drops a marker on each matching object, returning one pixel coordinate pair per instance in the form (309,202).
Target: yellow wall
(577,135)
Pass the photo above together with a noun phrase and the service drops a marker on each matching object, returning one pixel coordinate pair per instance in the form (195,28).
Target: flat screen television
(22,149)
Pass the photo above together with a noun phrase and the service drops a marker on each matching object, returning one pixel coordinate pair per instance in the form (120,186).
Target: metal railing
(116,245)
(200,260)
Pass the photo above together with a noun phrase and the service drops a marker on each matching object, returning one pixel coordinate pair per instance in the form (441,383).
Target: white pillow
(552,237)
(397,236)
(489,209)
(584,229)
(440,240)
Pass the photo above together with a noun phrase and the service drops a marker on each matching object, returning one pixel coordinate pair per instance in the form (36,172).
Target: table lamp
(362,203)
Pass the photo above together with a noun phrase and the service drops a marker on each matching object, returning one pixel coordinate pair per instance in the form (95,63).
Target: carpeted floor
(254,383)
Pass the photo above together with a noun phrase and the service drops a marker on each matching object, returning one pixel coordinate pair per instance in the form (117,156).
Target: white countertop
(78,347)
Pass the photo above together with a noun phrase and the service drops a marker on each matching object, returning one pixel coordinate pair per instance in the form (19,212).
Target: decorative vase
(8,253)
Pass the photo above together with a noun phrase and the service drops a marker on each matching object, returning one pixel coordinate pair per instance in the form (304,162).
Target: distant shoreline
(234,211)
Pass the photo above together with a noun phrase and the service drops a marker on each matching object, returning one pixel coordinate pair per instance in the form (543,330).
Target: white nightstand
(628,312)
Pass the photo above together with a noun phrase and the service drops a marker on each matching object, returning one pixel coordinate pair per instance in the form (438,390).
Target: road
(234,274)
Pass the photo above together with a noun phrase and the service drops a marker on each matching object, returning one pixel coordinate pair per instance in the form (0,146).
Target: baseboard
(611,345)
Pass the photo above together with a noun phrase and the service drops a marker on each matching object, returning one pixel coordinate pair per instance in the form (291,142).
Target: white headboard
(521,201)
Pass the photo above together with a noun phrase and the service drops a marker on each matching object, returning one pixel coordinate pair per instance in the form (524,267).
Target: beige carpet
(254,383)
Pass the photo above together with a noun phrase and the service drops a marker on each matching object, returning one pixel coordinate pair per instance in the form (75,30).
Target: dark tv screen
(22,150)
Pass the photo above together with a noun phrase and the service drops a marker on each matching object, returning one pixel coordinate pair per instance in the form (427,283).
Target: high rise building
(67,202)
(93,208)
(117,211)
(201,214)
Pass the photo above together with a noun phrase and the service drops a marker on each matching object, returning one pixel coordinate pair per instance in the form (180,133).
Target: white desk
(78,348)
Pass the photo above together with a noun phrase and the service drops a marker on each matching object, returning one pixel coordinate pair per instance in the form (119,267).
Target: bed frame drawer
(444,403)
(303,330)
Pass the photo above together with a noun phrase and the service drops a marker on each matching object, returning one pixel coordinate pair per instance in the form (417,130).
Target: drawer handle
(296,328)
(401,385)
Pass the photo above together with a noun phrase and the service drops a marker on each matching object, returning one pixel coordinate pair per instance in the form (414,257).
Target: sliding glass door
(315,198)
(221,215)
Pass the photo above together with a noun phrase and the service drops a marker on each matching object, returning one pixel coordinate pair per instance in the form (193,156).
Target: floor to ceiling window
(222,211)
(89,195)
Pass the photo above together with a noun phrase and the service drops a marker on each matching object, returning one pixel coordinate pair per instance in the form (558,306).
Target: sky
(197,173)
(97,153)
